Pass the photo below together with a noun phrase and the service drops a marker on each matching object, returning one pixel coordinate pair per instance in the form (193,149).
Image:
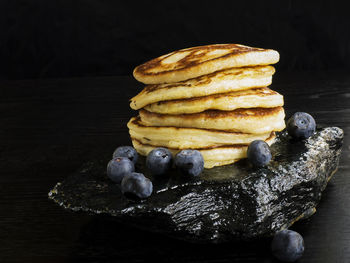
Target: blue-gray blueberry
(189,162)
(136,186)
(287,245)
(126,151)
(159,161)
(259,153)
(301,125)
(119,167)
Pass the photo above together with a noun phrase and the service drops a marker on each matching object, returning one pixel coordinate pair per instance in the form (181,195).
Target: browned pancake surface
(196,61)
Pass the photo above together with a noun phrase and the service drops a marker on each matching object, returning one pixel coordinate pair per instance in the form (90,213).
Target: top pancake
(197,61)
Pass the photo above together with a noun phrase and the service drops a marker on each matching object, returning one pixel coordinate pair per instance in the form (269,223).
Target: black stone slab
(225,203)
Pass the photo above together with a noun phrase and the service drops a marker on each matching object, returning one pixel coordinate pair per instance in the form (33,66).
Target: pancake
(197,61)
(251,98)
(188,138)
(215,156)
(224,81)
(253,120)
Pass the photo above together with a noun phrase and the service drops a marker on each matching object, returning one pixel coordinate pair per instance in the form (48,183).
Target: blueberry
(189,162)
(159,161)
(119,167)
(287,245)
(126,151)
(136,185)
(301,125)
(259,153)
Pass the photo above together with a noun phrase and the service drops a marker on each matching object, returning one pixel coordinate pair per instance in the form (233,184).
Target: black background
(40,39)
(65,81)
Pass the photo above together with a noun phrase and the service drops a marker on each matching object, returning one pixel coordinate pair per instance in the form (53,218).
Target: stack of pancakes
(210,98)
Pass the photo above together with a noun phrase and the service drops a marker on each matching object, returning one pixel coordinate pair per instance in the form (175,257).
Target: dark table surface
(49,128)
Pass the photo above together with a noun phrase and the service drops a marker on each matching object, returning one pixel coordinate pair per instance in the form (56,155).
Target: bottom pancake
(214,156)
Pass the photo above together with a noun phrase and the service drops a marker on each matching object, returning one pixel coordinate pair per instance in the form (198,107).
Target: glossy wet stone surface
(224,203)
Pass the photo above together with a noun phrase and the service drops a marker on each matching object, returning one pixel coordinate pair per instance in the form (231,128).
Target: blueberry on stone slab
(287,245)
(189,162)
(136,186)
(119,167)
(259,153)
(126,151)
(301,125)
(159,161)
